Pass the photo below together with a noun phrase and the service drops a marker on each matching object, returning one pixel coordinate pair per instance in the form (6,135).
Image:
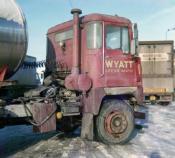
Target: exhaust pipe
(76,41)
(76,80)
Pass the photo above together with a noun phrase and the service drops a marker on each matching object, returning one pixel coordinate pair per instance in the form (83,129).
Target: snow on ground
(155,140)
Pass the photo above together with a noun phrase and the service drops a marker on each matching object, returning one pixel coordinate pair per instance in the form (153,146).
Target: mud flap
(140,119)
(139,115)
(87,129)
(41,112)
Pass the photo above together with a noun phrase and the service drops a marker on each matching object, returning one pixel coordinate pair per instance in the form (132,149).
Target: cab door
(119,66)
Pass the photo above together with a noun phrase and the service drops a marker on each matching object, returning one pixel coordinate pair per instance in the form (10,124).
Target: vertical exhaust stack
(76,41)
(76,80)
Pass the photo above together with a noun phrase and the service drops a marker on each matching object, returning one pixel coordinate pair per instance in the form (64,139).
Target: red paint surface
(93,63)
(3,72)
(40,112)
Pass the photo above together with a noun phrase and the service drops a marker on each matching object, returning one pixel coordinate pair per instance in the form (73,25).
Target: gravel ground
(155,140)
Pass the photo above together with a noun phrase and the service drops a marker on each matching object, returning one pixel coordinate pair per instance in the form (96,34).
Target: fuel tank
(13,36)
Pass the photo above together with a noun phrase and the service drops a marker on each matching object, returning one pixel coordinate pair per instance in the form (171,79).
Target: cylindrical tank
(13,36)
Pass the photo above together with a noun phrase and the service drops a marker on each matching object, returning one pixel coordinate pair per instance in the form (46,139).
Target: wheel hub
(116,123)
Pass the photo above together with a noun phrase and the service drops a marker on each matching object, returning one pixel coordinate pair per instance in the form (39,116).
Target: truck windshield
(117,38)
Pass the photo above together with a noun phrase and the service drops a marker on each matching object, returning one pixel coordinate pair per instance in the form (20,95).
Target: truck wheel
(115,122)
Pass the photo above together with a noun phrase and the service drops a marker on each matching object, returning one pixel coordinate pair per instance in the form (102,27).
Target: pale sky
(154,17)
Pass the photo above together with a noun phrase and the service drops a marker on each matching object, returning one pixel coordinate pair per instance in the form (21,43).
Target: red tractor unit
(93,79)
(94,62)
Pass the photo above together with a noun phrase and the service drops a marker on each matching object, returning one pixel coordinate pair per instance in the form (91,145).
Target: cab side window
(117,38)
(113,37)
(94,35)
(62,36)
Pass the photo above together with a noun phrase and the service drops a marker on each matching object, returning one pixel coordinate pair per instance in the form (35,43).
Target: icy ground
(155,140)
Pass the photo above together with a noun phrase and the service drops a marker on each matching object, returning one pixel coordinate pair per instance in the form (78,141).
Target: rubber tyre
(109,106)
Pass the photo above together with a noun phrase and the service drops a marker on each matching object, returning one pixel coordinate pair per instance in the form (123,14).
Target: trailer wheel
(115,122)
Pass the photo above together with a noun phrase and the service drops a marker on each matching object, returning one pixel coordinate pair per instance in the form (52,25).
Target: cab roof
(89,18)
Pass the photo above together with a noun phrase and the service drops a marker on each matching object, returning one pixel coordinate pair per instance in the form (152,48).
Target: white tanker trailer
(13,38)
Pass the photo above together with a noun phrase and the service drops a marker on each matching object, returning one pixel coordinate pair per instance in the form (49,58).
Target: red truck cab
(96,57)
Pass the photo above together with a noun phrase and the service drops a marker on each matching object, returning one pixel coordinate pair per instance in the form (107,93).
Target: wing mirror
(134,42)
